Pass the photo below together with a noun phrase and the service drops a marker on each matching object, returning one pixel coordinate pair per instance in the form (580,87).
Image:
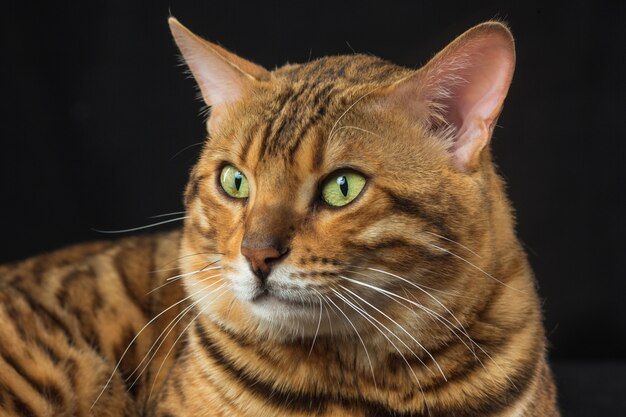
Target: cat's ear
(222,76)
(461,90)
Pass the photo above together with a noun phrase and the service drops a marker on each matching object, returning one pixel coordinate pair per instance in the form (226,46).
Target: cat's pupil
(343,185)
(238,179)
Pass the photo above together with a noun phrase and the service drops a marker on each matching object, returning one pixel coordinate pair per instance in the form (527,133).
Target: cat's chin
(274,306)
(270,300)
(282,317)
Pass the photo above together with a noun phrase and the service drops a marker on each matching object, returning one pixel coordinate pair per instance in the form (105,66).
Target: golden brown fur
(68,316)
(414,300)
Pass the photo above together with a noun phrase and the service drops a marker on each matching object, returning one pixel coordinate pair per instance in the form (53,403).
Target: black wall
(95,110)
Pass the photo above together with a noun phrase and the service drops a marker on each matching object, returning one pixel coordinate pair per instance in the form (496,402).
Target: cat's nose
(261,259)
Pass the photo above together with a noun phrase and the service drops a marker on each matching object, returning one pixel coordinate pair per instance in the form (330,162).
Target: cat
(347,250)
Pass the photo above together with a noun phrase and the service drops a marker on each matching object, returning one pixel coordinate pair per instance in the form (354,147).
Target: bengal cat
(348,250)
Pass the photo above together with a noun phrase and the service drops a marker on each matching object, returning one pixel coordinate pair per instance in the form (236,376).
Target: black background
(95,111)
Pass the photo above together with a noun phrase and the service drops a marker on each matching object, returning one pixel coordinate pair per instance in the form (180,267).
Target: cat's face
(324,196)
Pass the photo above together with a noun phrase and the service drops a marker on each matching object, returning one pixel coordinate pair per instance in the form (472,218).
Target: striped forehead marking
(307,96)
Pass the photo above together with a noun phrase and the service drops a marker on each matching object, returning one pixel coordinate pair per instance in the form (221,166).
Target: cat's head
(347,191)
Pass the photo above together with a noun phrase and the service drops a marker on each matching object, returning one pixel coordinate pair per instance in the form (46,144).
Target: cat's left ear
(462,89)
(222,76)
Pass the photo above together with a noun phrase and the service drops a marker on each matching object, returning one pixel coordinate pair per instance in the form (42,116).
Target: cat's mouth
(267,296)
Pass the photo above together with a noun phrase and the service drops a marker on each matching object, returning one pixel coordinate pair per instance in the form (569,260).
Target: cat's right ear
(222,76)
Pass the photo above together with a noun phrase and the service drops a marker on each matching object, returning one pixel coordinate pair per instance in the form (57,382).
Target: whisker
(438,317)
(418,305)
(172,323)
(205,279)
(168,282)
(183,257)
(177,277)
(477,268)
(319,322)
(180,313)
(167,214)
(431,313)
(225,288)
(140,227)
(342,296)
(195,272)
(332,130)
(364,314)
(356,128)
(455,293)
(455,242)
(330,135)
(185,148)
(401,328)
(133,341)
(330,322)
(417,286)
(171,327)
(435,315)
(442,320)
(369,360)
(230,306)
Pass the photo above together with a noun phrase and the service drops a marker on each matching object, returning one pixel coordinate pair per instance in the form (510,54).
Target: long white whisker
(441,319)
(343,298)
(205,279)
(365,315)
(431,313)
(133,341)
(330,135)
(369,360)
(225,288)
(319,322)
(436,316)
(455,242)
(140,227)
(172,323)
(477,268)
(168,281)
(185,148)
(185,256)
(174,213)
(417,287)
(418,305)
(171,328)
(401,328)
(194,272)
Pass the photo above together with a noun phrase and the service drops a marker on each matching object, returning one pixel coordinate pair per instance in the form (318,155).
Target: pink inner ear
(468,82)
(219,81)
(222,76)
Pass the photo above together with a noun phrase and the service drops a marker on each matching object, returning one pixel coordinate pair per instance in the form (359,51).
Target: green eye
(234,182)
(340,189)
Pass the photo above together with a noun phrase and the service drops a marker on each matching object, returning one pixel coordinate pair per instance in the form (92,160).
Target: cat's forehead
(304,101)
(319,89)
(341,71)
(299,120)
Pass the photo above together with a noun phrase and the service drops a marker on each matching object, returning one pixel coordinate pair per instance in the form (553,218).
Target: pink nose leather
(260,259)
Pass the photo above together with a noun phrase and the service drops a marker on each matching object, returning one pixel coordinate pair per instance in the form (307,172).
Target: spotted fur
(416,299)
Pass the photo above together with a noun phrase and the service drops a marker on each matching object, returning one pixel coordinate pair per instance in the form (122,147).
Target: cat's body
(67,318)
(348,250)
